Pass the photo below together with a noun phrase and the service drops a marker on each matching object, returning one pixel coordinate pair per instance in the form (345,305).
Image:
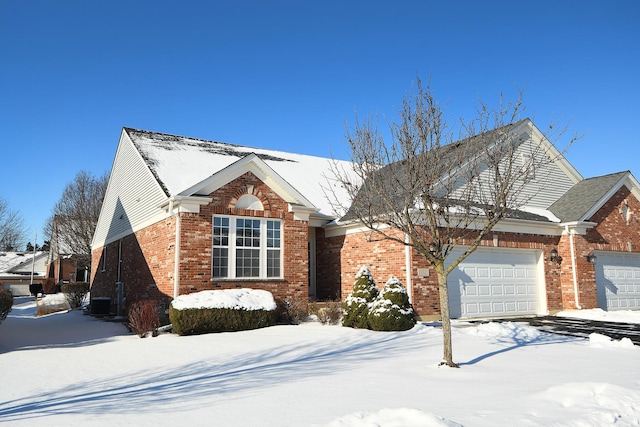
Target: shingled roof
(583,196)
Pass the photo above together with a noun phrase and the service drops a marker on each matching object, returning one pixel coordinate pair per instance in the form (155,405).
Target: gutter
(176,260)
(573,266)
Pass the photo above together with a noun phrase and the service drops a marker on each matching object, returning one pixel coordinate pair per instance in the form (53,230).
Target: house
(182,215)
(19,269)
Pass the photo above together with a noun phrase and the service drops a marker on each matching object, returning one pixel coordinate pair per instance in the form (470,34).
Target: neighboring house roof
(584,198)
(17,264)
(180,164)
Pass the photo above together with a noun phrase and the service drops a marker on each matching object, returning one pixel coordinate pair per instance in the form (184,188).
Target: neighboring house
(19,269)
(182,215)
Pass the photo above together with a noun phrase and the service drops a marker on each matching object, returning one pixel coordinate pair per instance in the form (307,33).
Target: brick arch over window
(249,190)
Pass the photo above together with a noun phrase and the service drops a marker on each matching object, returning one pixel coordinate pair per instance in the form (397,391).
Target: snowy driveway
(580,327)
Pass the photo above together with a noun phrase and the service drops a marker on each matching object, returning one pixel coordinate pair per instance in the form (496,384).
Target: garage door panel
(494,283)
(618,280)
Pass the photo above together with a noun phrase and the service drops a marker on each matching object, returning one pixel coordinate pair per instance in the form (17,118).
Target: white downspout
(407,264)
(573,267)
(176,260)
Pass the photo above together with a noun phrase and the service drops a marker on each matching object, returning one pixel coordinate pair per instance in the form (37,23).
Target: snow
(182,162)
(246,299)
(71,369)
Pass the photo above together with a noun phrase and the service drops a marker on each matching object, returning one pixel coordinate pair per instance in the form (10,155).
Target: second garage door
(618,280)
(494,282)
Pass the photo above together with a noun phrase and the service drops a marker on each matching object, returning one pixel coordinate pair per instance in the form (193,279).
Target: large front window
(246,248)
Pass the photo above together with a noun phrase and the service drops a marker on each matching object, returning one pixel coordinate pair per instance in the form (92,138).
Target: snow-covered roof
(180,163)
(11,261)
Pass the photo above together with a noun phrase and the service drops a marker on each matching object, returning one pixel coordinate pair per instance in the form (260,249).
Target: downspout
(573,267)
(176,260)
(407,264)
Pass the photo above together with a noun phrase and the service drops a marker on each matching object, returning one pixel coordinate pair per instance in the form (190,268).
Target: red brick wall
(147,265)
(148,255)
(385,258)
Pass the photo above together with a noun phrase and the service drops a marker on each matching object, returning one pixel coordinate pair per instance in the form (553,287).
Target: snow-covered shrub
(222,311)
(144,318)
(6,302)
(392,311)
(356,305)
(75,293)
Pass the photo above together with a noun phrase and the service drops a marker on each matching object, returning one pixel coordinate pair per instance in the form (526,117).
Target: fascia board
(560,160)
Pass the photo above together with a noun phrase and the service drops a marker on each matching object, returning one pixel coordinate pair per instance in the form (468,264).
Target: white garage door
(618,280)
(493,282)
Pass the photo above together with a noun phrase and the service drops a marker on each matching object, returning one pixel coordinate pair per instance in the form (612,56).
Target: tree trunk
(443,290)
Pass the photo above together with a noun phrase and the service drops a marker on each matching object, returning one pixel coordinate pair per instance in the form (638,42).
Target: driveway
(580,327)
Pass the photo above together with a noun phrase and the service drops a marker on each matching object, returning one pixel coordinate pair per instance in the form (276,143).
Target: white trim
(263,248)
(254,164)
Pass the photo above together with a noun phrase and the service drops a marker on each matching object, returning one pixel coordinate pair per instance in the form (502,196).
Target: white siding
(548,185)
(132,196)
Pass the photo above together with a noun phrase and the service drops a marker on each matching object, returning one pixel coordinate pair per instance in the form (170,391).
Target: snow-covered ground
(68,369)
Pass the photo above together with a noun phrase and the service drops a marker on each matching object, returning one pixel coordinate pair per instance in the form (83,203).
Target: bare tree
(433,187)
(74,217)
(12,229)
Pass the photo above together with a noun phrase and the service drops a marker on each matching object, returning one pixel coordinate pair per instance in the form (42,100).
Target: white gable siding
(132,197)
(548,185)
(550,182)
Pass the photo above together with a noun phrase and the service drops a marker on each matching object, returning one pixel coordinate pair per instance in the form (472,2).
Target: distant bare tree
(74,217)
(12,229)
(432,190)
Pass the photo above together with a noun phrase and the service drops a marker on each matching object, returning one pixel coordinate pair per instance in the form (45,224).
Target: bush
(331,313)
(356,305)
(193,321)
(6,302)
(144,318)
(392,311)
(75,293)
(292,311)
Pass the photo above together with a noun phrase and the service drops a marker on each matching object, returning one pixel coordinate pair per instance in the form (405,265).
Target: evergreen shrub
(6,302)
(75,293)
(356,305)
(392,311)
(194,321)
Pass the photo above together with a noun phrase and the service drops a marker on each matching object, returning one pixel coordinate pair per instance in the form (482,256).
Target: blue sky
(287,75)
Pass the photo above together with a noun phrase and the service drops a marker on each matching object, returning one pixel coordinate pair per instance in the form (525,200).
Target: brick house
(182,215)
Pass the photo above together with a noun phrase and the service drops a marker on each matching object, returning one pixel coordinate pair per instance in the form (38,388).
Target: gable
(533,147)
(253,164)
(132,198)
(585,198)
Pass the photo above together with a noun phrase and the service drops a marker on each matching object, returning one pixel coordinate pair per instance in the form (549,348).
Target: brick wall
(385,258)
(148,255)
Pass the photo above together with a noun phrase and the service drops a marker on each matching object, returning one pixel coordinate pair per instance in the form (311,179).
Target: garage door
(493,282)
(618,281)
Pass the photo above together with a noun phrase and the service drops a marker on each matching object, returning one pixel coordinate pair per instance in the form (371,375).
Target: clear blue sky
(286,75)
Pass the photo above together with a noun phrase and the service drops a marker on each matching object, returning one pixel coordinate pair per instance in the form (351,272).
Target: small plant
(75,293)
(356,305)
(331,313)
(6,302)
(392,311)
(292,311)
(144,318)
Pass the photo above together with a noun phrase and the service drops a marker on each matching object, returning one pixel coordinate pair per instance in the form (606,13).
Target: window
(246,248)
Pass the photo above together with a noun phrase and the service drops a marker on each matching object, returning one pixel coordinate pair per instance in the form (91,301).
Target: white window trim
(263,248)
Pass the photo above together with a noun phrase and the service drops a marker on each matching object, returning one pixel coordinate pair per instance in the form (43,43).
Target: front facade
(183,215)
